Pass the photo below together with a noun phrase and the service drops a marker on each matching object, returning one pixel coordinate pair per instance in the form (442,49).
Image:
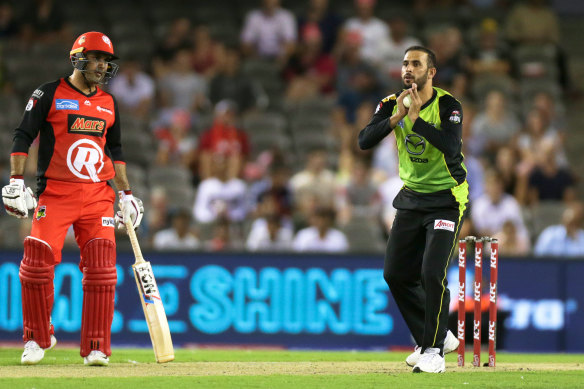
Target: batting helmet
(96,42)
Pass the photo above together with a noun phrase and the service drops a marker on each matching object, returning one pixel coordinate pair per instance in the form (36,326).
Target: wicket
(464,244)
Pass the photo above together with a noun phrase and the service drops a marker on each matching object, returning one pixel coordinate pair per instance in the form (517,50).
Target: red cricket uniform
(79,141)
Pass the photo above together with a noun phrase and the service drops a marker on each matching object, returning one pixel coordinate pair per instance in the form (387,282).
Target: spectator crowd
(240,121)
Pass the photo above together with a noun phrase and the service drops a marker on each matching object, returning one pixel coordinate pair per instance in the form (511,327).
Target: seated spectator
(176,143)
(134,89)
(270,233)
(9,26)
(393,53)
(447,43)
(223,139)
(535,132)
(309,72)
(269,32)
(506,164)
(314,179)
(321,236)
(220,197)
(373,31)
(490,56)
(274,186)
(357,81)
(387,192)
(229,84)
(175,39)
(548,181)
(223,239)
(566,239)
(43,21)
(534,22)
(510,242)
(181,87)
(207,53)
(328,22)
(494,127)
(491,210)
(359,196)
(179,236)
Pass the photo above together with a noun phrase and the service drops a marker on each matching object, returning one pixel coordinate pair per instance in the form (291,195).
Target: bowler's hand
(416,105)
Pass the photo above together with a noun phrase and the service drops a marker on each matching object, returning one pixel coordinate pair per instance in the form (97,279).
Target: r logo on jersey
(85,159)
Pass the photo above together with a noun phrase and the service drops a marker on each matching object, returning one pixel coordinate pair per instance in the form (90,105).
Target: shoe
(430,362)
(450,344)
(96,358)
(33,353)
(414,357)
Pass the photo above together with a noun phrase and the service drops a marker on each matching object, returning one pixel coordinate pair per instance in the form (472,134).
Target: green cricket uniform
(430,209)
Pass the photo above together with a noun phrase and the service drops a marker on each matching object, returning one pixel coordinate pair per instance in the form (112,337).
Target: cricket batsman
(79,151)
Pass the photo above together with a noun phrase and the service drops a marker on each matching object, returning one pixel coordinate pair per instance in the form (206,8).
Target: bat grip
(133,238)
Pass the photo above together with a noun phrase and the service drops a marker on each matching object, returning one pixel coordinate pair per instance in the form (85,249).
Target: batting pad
(99,288)
(36,280)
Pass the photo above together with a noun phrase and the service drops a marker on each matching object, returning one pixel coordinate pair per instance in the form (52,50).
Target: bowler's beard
(420,82)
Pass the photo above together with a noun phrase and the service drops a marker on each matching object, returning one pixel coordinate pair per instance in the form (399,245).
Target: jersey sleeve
(34,118)
(449,139)
(114,137)
(378,128)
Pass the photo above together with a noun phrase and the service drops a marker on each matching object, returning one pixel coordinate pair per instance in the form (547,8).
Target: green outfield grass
(202,368)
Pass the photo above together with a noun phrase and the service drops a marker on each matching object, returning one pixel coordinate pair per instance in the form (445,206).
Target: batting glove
(18,199)
(129,205)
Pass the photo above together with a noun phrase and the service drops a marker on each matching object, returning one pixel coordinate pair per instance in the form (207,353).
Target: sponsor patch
(41,212)
(455,117)
(37,94)
(30,104)
(390,97)
(440,224)
(102,109)
(87,102)
(106,40)
(67,104)
(86,125)
(108,222)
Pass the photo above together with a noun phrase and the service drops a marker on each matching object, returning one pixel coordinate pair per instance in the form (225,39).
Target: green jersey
(430,150)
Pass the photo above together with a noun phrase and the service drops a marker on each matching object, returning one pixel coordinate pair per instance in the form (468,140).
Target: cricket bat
(151,303)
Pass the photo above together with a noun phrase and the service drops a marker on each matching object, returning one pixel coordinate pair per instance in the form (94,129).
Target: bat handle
(133,238)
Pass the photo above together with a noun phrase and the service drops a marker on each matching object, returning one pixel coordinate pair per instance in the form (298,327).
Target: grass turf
(284,369)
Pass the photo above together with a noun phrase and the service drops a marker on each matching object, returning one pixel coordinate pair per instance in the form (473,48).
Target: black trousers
(419,249)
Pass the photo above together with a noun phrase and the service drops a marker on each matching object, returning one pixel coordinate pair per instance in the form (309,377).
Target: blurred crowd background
(240,117)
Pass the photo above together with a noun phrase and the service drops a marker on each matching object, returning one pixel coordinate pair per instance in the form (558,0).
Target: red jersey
(224,140)
(79,133)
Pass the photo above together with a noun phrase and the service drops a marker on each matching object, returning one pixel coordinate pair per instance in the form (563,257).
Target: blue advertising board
(299,301)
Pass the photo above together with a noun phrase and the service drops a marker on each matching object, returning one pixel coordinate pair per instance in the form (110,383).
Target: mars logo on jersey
(85,159)
(85,125)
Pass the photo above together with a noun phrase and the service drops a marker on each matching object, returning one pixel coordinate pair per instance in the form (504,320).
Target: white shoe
(96,358)
(414,357)
(430,362)
(33,353)
(450,344)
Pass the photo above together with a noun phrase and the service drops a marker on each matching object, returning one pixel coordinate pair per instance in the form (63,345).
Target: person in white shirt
(374,32)
(270,233)
(321,236)
(566,239)
(218,196)
(179,236)
(269,32)
(134,89)
(495,207)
